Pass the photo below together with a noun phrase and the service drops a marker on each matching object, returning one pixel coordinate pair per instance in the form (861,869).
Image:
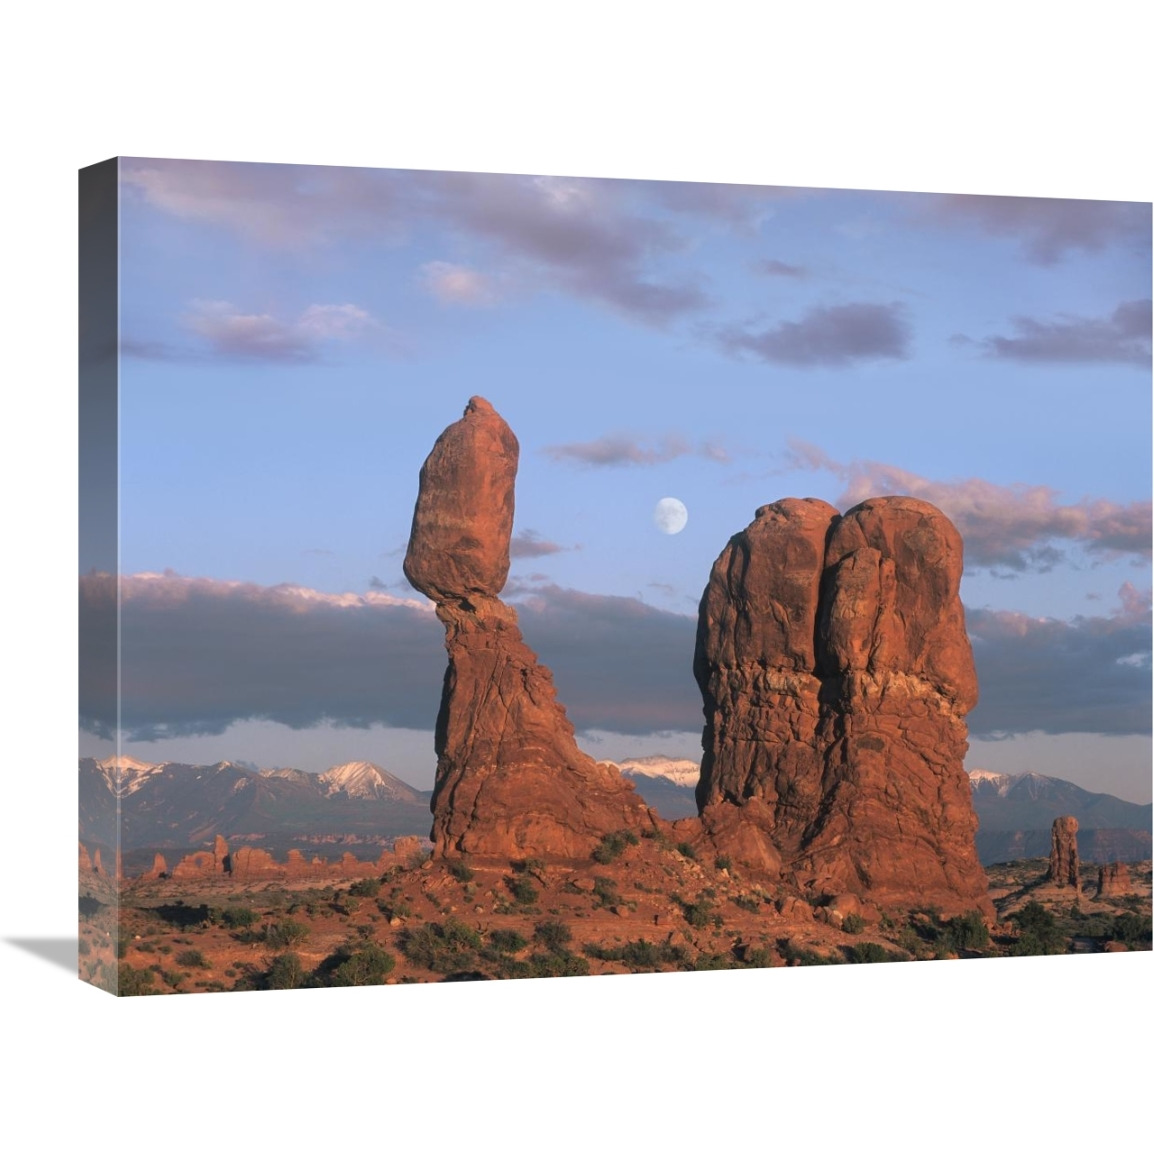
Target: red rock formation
(220,857)
(1064,853)
(510,779)
(1113,880)
(249,862)
(836,672)
(97,865)
(159,868)
(85,860)
(195,865)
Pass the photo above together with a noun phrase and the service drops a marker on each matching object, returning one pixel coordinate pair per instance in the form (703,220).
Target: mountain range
(174,806)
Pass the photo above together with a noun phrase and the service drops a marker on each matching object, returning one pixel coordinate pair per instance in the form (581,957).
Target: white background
(996,98)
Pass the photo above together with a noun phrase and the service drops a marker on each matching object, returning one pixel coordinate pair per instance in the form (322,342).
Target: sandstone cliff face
(510,778)
(836,672)
(1064,853)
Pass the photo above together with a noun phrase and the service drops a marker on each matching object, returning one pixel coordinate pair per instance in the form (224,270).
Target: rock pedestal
(1113,880)
(510,780)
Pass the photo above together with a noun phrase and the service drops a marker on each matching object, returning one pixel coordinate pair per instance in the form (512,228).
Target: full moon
(670,515)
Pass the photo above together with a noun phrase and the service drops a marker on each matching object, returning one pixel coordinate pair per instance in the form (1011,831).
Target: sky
(293,339)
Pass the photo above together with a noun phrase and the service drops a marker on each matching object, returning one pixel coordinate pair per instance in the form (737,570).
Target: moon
(670,515)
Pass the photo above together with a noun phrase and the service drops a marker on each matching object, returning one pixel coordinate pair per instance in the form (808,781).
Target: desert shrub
(796,955)
(194,959)
(507,941)
(131,982)
(171,978)
(967,932)
(365,888)
(686,850)
(83,947)
(724,862)
(639,955)
(443,947)
(366,965)
(287,972)
(606,892)
(613,845)
(523,891)
(757,959)
(123,941)
(553,935)
(1132,929)
(867,952)
(853,923)
(286,933)
(747,902)
(182,916)
(461,871)
(395,909)
(1038,931)
(698,914)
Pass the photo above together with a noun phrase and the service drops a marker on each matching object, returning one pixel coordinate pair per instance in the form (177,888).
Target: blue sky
(293,339)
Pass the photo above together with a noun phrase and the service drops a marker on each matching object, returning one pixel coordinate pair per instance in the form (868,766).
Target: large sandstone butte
(510,781)
(1064,853)
(836,672)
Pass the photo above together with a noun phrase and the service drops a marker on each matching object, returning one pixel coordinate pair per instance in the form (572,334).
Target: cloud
(1088,675)
(836,336)
(530,544)
(780,268)
(454,284)
(1007,526)
(1047,229)
(226,332)
(199,655)
(1121,338)
(625,449)
(596,239)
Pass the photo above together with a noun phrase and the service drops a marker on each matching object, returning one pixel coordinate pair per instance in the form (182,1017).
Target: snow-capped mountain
(364,779)
(125,774)
(1015,813)
(678,770)
(173,804)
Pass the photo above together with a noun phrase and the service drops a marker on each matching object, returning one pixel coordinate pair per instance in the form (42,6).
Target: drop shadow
(59,951)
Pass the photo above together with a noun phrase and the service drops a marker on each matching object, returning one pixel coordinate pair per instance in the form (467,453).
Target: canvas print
(490,576)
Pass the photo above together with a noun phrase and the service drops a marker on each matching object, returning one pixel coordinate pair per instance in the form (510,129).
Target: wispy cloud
(781,268)
(624,449)
(1088,675)
(1009,526)
(1123,337)
(835,336)
(530,544)
(224,331)
(1047,229)
(454,284)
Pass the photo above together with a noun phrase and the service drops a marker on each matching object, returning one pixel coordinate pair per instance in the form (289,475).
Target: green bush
(287,972)
(606,892)
(1038,931)
(686,850)
(555,936)
(867,952)
(613,845)
(853,923)
(1132,929)
(507,941)
(287,933)
(131,982)
(238,917)
(194,959)
(967,932)
(461,871)
(640,955)
(367,965)
(443,947)
(365,888)
(523,891)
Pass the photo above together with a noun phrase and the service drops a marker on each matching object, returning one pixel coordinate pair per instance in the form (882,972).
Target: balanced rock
(836,672)
(1113,880)
(1064,853)
(510,779)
